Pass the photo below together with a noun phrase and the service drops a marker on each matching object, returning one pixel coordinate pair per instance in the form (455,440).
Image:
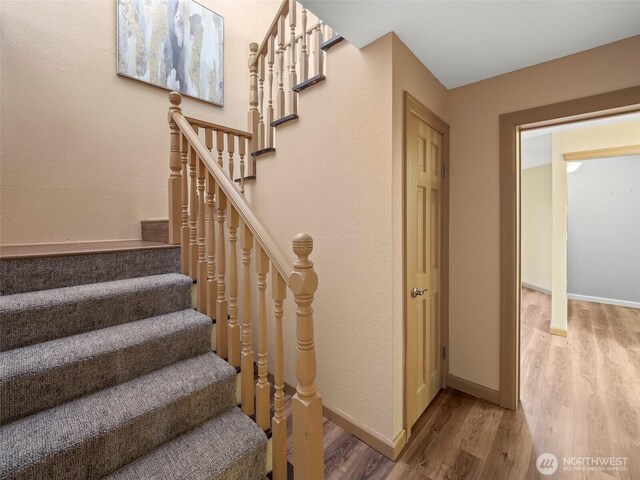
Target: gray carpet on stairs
(30,274)
(34,317)
(95,435)
(42,376)
(231,446)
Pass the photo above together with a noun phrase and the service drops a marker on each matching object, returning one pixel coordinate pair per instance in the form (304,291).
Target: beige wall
(331,176)
(475,213)
(84,152)
(409,74)
(536,227)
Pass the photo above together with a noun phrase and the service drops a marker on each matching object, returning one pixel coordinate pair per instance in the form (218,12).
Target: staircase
(115,377)
(108,371)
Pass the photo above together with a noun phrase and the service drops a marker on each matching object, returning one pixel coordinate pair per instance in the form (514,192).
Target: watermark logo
(547,464)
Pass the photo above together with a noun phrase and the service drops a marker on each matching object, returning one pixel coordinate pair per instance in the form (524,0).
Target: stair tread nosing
(67,311)
(228,446)
(99,433)
(40,376)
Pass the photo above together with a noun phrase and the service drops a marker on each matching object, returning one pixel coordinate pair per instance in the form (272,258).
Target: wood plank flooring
(580,398)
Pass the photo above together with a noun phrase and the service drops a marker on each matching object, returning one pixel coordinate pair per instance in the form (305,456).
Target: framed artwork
(173,44)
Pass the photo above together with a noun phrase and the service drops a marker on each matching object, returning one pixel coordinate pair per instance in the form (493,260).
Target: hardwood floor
(580,398)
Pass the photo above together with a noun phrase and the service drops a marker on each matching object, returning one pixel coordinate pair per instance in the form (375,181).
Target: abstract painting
(174,44)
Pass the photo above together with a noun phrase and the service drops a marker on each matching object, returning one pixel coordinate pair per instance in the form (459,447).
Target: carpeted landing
(116,379)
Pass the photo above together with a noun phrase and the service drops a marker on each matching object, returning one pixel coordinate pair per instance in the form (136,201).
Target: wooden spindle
(306,404)
(304,54)
(202,260)
(208,138)
(270,58)
(279,422)
(318,54)
(221,303)
(263,390)
(231,144)
(212,283)
(254,116)
(281,58)
(193,212)
(241,153)
(293,97)
(261,75)
(246,358)
(184,250)
(220,147)
(175,175)
(233,347)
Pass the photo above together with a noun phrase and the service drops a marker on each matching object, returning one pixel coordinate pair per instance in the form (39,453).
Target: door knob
(415,292)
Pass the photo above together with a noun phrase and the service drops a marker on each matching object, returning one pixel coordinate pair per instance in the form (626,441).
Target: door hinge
(444,169)
(444,353)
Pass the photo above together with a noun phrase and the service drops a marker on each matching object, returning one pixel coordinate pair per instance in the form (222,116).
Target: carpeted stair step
(97,434)
(41,376)
(34,317)
(229,447)
(19,275)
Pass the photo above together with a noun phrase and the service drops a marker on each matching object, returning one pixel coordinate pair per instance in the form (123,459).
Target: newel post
(254,115)
(306,404)
(175,177)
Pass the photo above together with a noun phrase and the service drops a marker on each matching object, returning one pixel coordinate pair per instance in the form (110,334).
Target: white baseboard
(536,288)
(586,298)
(606,301)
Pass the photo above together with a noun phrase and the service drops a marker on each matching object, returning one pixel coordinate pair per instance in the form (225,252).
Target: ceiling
(462,42)
(536,149)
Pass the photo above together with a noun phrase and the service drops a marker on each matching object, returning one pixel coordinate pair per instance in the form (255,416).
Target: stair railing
(204,206)
(289,59)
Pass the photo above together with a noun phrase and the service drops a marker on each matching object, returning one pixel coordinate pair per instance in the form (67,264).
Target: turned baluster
(221,304)
(184,250)
(233,347)
(220,147)
(202,261)
(318,57)
(281,59)
(328,32)
(279,422)
(254,116)
(261,131)
(231,144)
(293,97)
(193,212)
(306,404)
(263,390)
(269,139)
(212,284)
(246,359)
(175,167)
(241,153)
(304,54)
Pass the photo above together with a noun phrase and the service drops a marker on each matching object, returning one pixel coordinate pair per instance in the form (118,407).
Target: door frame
(511,124)
(440,126)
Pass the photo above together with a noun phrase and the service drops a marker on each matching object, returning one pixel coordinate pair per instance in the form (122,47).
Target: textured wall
(536,226)
(85,152)
(475,193)
(331,177)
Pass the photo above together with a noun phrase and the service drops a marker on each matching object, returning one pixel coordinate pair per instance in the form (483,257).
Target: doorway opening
(577,383)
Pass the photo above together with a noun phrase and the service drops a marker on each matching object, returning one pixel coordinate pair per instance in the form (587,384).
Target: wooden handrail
(279,260)
(217,128)
(273,29)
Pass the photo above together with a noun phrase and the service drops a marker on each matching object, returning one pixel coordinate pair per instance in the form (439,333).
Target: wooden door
(423,233)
